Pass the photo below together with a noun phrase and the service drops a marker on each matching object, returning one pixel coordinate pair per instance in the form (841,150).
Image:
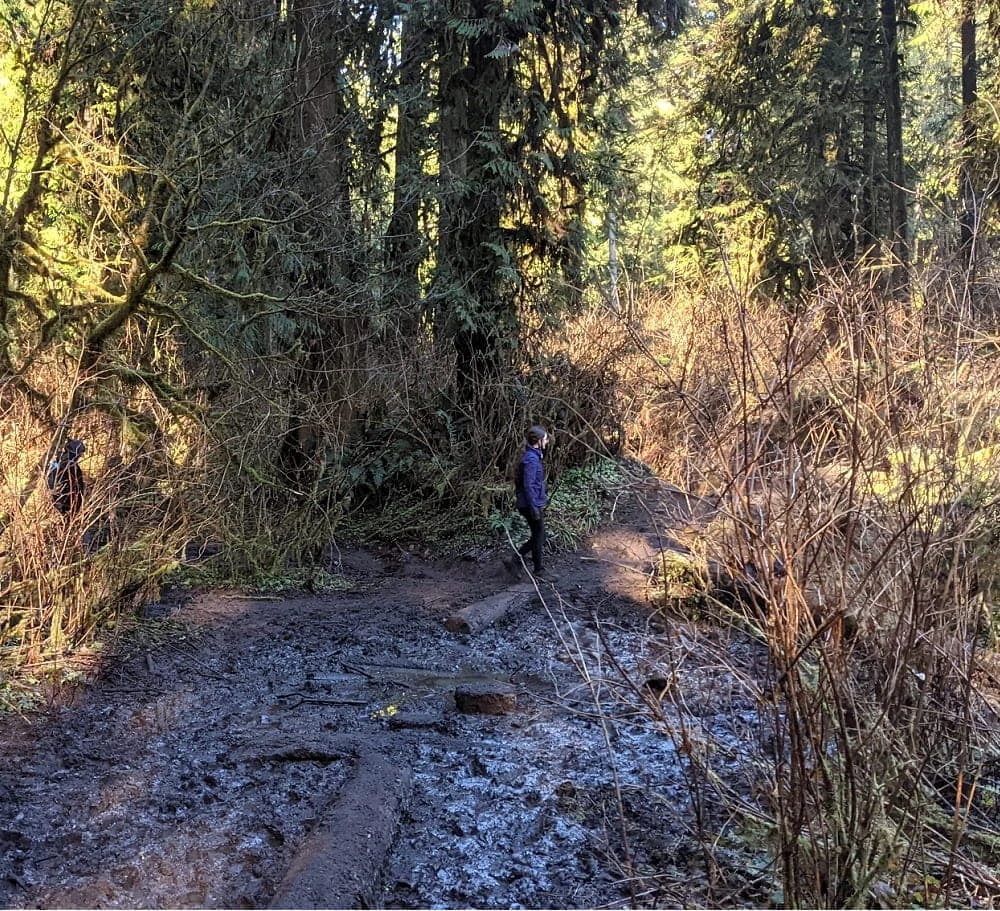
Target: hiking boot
(543,575)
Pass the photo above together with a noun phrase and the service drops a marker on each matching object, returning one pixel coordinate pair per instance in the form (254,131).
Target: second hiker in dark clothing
(532,497)
(65,479)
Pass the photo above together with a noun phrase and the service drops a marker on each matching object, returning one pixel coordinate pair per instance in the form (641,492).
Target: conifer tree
(804,117)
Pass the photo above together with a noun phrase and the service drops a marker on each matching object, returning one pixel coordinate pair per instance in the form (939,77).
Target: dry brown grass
(63,578)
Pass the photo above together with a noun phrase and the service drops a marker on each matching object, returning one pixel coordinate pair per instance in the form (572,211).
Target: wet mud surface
(307,750)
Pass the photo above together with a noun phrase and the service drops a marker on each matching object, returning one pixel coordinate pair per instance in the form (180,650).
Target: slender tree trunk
(868,216)
(613,262)
(969,216)
(898,219)
(453,142)
(404,249)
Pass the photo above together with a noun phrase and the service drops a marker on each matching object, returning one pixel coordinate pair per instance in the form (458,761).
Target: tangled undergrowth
(846,454)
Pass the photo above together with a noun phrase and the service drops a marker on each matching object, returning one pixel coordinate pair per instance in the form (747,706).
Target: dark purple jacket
(530,481)
(66,481)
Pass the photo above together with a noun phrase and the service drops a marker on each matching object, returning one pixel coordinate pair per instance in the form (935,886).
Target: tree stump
(486,698)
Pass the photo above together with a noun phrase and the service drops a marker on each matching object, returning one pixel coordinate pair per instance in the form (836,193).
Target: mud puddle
(195,770)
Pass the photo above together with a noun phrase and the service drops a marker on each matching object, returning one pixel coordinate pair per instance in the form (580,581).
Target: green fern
(470,28)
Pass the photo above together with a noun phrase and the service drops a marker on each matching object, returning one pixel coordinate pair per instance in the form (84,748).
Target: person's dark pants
(536,542)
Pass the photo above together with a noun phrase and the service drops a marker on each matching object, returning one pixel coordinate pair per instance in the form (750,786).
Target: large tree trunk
(868,234)
(477,317)
(319,385)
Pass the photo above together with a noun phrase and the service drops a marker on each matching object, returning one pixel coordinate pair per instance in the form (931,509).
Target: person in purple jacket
(532,498)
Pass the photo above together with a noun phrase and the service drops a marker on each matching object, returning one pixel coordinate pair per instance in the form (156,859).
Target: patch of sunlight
(387,711)
(926,475)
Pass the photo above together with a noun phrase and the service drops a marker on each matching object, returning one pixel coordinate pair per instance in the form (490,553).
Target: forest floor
(307,750)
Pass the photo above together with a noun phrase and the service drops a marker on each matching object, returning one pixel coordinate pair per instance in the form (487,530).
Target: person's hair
(535,435)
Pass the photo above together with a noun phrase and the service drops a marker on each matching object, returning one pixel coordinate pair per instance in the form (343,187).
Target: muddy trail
(437,735)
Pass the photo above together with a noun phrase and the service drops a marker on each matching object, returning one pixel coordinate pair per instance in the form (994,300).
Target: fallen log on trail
(340,862)
(480,614)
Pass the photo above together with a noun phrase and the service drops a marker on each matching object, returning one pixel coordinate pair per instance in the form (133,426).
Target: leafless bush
(851,446)
(63,577)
